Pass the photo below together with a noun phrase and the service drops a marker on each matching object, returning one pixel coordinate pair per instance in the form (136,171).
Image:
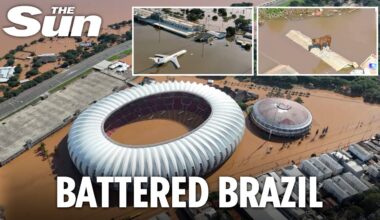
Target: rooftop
(6,73)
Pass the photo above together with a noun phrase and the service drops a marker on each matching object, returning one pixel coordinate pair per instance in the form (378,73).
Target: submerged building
(169,23)
(281,117)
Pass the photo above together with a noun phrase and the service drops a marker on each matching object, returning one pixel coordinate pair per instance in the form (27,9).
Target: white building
(6,73)
(353,167)
(308,168)
(332,164)
(331,187)
(291,170)
(360,152)
(355,182)
(200,151)
(374,170)
(47,57)
(321,166)
(119,66)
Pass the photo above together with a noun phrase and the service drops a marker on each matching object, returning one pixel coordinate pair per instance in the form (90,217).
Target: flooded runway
(353,37)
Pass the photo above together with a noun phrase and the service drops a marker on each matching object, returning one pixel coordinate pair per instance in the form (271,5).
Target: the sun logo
(69,26)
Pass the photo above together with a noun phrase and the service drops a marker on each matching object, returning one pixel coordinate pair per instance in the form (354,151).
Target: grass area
(64,84)
(120,55)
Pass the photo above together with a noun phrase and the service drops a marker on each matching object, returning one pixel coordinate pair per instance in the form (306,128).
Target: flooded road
(353,37)
(200,58)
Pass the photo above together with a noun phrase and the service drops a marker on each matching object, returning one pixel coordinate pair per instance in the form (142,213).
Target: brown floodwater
(110,10)
(220,24)
(28,183)
(200,58)
(353,37)
(149,132)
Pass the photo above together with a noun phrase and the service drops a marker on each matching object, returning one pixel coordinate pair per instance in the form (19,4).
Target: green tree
(242,105)
(10,62)
(299,100)
(13,81)
(18,69)
(294,3)
(230,31)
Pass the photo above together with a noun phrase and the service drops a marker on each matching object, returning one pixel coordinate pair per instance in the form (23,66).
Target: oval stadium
(215,120)
(281,117)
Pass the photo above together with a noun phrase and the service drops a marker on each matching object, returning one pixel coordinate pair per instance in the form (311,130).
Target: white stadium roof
(198,152)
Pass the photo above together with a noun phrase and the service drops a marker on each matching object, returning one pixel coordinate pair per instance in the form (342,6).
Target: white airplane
(160,59)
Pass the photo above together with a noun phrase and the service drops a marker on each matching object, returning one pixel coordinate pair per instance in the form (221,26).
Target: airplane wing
(160,55)
(175,62)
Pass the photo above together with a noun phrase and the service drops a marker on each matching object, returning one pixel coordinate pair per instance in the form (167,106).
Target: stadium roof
(197,153)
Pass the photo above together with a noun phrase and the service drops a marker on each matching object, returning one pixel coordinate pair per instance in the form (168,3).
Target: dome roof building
(281,117)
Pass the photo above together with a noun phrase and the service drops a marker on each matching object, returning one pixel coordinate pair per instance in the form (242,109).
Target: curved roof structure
(197,153)
(281,117)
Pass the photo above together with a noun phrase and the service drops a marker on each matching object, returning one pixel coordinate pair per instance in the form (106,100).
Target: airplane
(160,59)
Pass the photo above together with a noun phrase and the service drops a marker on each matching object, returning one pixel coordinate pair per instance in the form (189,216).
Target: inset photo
(193,41)
(334,41)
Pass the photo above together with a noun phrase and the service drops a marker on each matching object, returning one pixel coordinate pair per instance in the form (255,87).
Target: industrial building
(374,170)
(346,161)
(355,182)
(217,125)
(314,167)
(291,170)
(334,166)
(281,117)
(359,152)
(372,144)
(321,166)
(268,213)
(169,23)
(335,190)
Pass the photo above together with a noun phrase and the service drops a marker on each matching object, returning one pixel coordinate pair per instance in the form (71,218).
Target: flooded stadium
(353,36)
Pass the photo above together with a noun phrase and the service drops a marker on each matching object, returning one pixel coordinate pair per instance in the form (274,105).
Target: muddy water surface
(111,11)
(353,36)
(149,132)
(200,58)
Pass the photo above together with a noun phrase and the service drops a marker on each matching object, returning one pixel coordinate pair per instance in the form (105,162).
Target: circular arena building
(281,117)
(216,126)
